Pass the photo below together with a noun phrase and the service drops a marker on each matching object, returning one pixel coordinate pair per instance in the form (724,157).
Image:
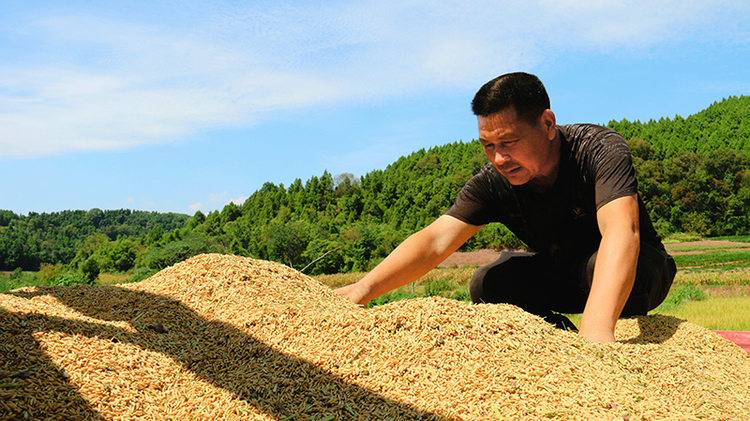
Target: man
(570,193)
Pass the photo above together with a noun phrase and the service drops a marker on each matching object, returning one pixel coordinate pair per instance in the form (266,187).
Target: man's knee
(493,282)
(476,285)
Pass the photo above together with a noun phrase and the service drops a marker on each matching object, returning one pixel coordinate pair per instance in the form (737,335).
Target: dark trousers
(530,281)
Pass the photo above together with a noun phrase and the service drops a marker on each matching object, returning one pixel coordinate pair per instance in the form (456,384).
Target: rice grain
(226,337)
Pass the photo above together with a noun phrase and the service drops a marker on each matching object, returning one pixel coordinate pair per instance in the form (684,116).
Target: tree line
(694,175)
(694,172)
(71,236)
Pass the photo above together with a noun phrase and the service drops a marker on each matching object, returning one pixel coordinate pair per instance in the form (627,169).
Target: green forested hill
(724,126)
(694,175)
(694,172)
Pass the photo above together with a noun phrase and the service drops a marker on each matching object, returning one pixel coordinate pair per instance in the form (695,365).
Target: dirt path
(471,258)
(483,257)
(671,248)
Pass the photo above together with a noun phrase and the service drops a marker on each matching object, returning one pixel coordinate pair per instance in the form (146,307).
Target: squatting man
(570,193)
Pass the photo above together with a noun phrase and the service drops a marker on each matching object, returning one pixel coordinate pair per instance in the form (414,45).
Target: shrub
(68,279)
(48,272)
(438,287)
(22,279)
(323,257)
(684,293)
(16,274)
(462,295)
(161,257)
(141,274)
(90,269)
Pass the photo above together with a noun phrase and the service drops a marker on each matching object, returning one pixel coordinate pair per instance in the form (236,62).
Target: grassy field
(712,288)
(717,314)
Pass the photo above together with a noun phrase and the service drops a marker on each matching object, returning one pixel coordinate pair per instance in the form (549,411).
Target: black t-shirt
(595,168)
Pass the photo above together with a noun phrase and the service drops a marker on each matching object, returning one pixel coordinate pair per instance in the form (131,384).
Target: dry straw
(225,337)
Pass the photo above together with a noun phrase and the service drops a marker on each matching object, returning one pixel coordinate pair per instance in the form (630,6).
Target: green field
(712,288)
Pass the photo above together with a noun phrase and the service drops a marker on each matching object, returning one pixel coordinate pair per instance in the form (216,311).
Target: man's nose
(501,158)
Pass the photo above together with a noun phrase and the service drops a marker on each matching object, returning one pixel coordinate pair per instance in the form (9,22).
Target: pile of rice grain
(225,337)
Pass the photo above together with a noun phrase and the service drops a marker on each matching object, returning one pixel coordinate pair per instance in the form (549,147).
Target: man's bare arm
(614,273)
(416,256)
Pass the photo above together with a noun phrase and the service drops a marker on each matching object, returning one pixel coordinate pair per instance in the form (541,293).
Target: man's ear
(549,123)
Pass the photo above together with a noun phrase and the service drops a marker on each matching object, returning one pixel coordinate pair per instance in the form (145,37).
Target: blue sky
(185,106)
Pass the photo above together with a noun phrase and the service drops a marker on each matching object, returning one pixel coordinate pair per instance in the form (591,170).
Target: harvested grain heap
(225,337)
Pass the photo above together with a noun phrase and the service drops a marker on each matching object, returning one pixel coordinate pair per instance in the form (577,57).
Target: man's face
(520,151)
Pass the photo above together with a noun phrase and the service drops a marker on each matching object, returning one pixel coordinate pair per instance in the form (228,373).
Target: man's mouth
(511,171)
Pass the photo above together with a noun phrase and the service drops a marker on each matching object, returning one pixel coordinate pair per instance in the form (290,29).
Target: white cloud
(217,201)
(92,82)
(222,200)
(217,198)
(195,207)
(238,201)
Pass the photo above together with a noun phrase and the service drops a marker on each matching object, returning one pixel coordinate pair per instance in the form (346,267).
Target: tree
(172,253)
(90,269)
(287,241)
(95,217)
(123,254)
(6,216)
(230,213)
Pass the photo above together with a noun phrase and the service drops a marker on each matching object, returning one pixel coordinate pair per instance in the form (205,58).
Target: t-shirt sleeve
(613,169)
(474,202)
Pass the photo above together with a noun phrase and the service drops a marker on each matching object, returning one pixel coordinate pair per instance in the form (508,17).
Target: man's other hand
(354,292)
(594,334)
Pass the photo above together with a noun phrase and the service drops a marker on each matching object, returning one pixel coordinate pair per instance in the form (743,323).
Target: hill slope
(724,125)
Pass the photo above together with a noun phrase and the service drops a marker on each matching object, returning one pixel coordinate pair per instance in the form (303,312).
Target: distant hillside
(724,125)
(26,241)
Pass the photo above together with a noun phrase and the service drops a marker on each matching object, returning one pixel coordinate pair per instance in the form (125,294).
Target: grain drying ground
(224,337)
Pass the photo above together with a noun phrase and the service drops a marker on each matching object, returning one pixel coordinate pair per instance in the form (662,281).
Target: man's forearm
(408,262)
(614,272)
(614,275)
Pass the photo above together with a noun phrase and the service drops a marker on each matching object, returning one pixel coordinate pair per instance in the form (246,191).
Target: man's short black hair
(522,91)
